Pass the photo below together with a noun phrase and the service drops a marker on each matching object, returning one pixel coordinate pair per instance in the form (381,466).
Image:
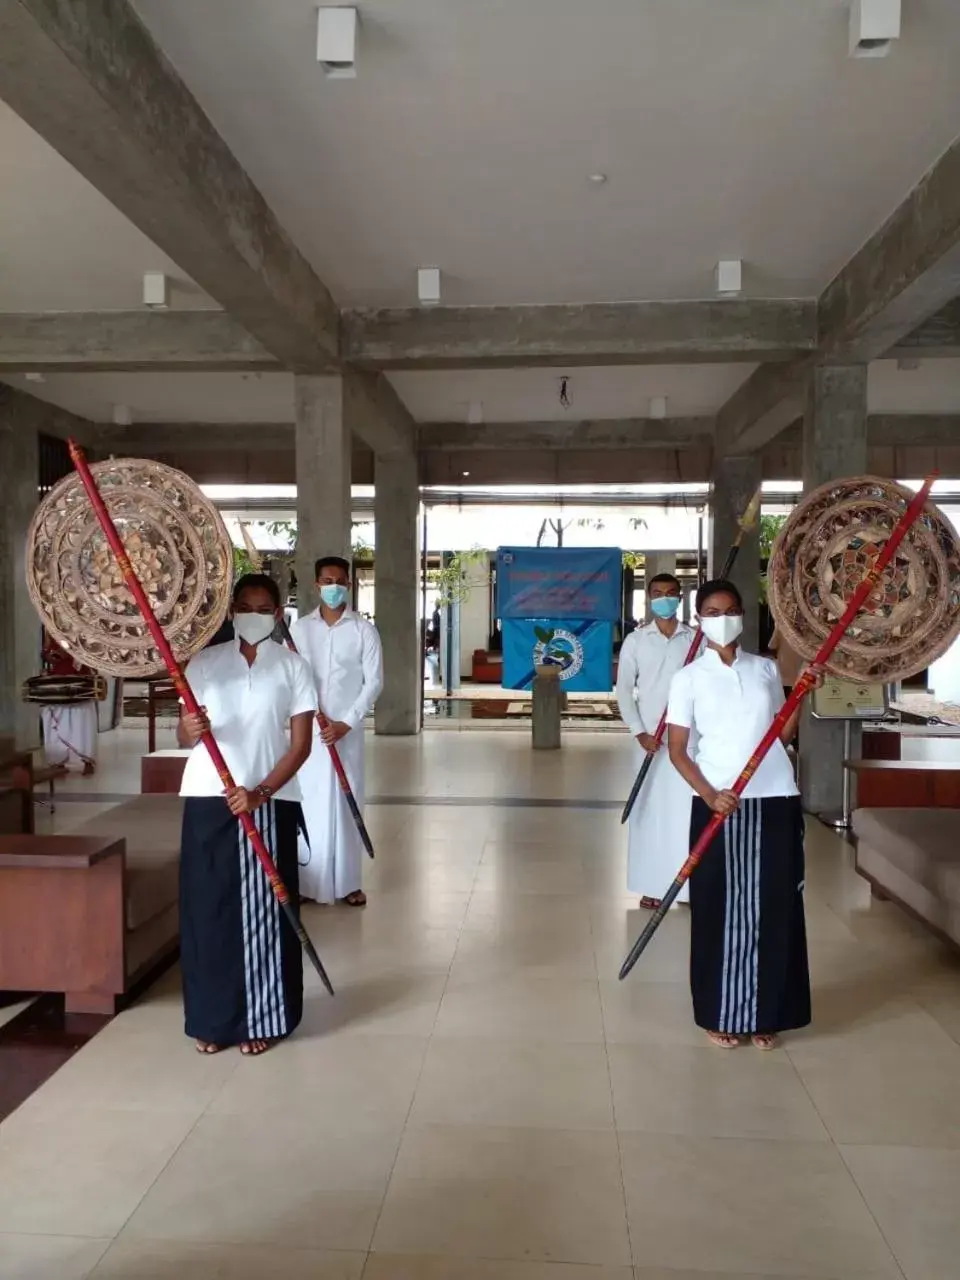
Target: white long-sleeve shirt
(648,662)
(347,663)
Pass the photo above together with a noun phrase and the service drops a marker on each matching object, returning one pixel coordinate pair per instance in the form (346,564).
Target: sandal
(356,899)
(765,1043)
(722,1040)
(208,1047)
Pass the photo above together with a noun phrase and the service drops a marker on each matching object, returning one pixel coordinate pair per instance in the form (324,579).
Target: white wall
(474,615)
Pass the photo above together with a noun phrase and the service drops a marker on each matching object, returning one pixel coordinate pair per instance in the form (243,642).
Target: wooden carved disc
(824,551)
(177,543)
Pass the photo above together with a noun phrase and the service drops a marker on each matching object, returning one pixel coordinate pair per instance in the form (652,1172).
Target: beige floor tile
(661,1273)
(616,926)
(567,915)
(535,953)
(636,1012)
(48,1257)
(135,1067)
(180,1260)
(512,1193)
(271,1179)
(783,1208)
(349,1082)
(527,875)
(915,1196)
(391,1004)
(82,1173)
(521,1008)
(710,1093)
(424,1267)
(506,1082)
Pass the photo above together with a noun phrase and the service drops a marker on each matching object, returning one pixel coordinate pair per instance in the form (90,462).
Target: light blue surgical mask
(665,607)
(334,594)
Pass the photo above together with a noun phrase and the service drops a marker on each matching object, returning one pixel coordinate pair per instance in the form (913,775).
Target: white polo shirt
(730,709)
(249,709)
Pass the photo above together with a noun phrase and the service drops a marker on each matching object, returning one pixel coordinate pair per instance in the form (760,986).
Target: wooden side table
(62,918)
(906,784)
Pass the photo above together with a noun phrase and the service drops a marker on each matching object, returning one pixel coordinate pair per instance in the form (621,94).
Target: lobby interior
(493,245)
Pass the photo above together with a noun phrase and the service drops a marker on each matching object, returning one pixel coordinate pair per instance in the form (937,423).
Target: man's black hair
(257,580)
(665,577)
(714,588)
(337,562)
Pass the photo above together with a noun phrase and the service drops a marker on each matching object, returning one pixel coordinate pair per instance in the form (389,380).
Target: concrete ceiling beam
(937,338)
(591,334)
(377,415)
(128,342)
(89,79)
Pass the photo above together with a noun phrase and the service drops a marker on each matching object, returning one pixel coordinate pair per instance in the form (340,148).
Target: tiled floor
(483,1100)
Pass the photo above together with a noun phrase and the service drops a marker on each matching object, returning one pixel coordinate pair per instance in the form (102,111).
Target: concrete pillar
(546,709)
(834,446)
(323,457)
(19,625)
(395,562)
(735,481)
(655,563)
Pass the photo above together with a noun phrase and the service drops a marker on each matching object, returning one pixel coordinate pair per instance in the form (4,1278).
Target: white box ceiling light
(874,25)
(337,43)
(154,289)
(729,276)
(428,286)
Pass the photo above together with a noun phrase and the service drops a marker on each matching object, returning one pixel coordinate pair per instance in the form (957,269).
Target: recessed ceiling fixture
(466,473)
(658,406)
(475,412)
(874,25)
(598,179)
(428,286)
(729,277)
(122,417)
(337,43)
(34,377)
(155,289)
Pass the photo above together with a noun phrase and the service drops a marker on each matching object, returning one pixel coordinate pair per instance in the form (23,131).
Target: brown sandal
(207,1047)
(356,899)
(254,1048)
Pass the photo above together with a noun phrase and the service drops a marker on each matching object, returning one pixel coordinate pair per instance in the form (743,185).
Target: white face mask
(254,627)
(722,631)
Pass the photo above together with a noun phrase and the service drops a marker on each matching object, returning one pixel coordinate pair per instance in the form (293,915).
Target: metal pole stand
(841,821)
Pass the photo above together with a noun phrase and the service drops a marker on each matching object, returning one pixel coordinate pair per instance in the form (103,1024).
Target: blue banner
(583,650)
(558,582)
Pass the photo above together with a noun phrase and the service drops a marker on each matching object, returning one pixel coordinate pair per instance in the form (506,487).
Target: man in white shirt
(345,655)
(659,826)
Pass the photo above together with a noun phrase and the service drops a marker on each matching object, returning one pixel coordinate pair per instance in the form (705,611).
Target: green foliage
(770,526)
(241,563)
(452,582)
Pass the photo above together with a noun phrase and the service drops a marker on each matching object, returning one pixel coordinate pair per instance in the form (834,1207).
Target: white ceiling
(933,388)
(63,247)
(533,395)
(506,395)
(728,128)
(169,397)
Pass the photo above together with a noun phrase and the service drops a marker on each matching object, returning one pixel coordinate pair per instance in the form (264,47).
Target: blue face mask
(334,595)
(665,607)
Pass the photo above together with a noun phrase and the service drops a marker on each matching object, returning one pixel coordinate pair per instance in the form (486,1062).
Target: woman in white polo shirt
(241,962)
(748,949)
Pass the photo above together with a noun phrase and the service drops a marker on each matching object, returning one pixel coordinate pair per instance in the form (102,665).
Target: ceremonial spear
(746,524)
(190,703)
(806,682)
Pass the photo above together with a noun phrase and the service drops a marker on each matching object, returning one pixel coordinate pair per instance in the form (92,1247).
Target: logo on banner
(558,648)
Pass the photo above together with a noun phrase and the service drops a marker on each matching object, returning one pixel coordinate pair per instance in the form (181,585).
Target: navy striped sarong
(748,944)
(241,962)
